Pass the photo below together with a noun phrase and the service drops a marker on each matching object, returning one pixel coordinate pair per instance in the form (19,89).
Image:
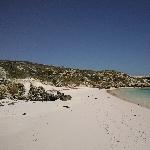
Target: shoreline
(121,97)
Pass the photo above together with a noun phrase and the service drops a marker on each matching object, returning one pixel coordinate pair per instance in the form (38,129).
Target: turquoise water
(139,96)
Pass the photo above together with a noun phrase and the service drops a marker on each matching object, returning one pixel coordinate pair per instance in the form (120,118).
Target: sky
(85,34)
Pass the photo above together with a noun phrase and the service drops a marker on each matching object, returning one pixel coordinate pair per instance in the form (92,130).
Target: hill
(60,76)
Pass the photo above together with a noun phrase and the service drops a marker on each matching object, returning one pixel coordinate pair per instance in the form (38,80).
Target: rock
(12,103)
(66,106)
(24,114)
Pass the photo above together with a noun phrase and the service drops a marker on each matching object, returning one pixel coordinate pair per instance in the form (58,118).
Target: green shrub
(3,91)
(2,73)
(36,93)
(39,94)
(16,90)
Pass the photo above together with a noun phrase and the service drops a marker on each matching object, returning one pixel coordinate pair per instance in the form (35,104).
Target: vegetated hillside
(60,76)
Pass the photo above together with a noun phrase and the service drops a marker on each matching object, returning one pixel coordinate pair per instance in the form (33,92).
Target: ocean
(140,96)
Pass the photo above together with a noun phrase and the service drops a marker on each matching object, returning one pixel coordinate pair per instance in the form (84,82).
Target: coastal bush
(39,94)
(3,91)
(33,93)
(65,97)
(60,76)
(16,90)
(2,73)
(4,81)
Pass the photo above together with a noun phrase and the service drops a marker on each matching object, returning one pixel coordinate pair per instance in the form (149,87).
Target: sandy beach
(92,120)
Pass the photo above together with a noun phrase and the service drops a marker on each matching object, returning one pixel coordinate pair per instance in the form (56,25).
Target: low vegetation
(12,90)
(39,94)
(16,90)
(3,91)
(59,76)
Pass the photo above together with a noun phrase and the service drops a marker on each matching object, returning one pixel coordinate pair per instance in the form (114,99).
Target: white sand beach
(95,120)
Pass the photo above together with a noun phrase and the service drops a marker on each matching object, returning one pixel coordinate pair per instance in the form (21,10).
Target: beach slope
(92,120)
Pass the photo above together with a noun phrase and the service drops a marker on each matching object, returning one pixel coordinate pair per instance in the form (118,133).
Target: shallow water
(139,96)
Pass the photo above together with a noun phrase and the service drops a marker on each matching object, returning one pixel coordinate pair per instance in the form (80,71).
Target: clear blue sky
(92,34)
